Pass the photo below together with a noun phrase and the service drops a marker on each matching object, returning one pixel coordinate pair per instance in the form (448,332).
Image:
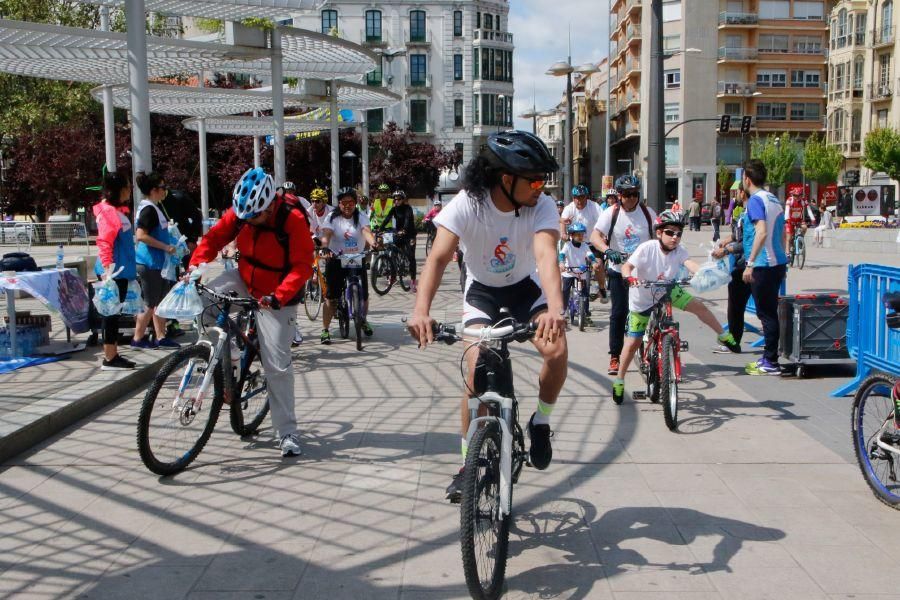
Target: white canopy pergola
(260,126)
(226,10)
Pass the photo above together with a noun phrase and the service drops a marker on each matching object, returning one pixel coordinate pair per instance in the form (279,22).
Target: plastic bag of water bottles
(182,302)
(134,301)
(106,294)
(173,261)
(711,275)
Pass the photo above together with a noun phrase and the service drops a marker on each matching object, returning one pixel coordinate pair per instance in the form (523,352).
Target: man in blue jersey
(766,260)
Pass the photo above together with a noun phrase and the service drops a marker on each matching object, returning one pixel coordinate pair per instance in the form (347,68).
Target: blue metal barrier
(875,347)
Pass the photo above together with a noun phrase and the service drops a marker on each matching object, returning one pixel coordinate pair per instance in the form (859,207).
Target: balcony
(877,91)
(633,67)
(375,79)
(738,19)
(882,37)
(418,85)
(632,99)
(634,7)
(489,35)
(633,32)
(736,88)
(419,38)
(738,54)
(371,40)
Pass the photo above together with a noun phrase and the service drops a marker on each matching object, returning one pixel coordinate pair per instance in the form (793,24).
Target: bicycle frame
(663,324)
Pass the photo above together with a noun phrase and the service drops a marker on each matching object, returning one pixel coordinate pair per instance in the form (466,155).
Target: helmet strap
(508,193)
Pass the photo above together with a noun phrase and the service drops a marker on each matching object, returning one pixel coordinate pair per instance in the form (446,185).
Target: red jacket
(259,246)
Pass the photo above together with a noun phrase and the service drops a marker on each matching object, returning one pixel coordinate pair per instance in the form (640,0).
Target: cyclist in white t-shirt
(508,230)
(586,211)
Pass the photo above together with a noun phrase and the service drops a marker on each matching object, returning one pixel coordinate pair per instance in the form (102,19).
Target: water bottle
(60,258)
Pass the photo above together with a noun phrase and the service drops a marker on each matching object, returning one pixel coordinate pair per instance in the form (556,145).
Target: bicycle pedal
(638,395)
(685,346)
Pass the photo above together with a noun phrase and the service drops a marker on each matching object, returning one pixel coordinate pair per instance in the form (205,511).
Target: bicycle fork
(216,352)
(506,440)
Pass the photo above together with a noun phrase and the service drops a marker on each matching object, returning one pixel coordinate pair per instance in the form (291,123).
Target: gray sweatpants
(275,329)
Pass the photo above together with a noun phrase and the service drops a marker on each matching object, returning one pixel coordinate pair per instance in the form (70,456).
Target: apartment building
(864,86)
(452,62)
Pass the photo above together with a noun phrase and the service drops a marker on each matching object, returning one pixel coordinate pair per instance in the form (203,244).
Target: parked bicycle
(876,425)
(798,249)
(389,266)
(495,456)
(180,410)
(578,299)
(659,357)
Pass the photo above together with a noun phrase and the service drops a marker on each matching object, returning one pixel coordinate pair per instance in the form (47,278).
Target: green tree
(778,153)
(821,160)
(723,176)
(881,152)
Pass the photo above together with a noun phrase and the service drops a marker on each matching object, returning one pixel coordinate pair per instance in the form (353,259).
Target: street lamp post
(559,69)
(531,114)
(349,155)
(656,150)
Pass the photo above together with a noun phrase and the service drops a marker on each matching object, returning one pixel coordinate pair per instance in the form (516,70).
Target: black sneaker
(541,452)
(454,490)
(116,364)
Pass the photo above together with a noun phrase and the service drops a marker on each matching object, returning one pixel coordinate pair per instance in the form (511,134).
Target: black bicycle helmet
(346,191)
(519,153)
(627,182)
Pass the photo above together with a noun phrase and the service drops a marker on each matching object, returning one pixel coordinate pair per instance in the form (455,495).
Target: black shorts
(153,287)
(336,277)
(482,304)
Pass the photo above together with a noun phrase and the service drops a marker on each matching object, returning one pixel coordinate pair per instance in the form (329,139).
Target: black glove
(270,301)
(613,256)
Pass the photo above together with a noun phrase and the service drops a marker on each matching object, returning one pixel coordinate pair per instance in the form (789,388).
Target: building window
(884,70)
(373,25)
(839,81)
(478,20)
(417,26)
(841,29)
(771,111)
(808,79)
(457,23)
(673,79)
(856,126)
(733,109)
(887,22)
(672,145)
(375,120)
(806,44)
(805,111)
(418,115)
(858,65)
(773,43)
(329,21)
(476,112)
(672,112)
(882,118)
(417,69)
(729,149)
(859,37)
(457,67)
(551,131)
(459,148)
(806,9)
(672,42)
(458,113)
(774,9)
(776,78)
(475,64)
(375,77)
(488,21)
(671,11)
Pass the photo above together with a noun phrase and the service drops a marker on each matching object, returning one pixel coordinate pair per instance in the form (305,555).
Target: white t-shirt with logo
(631,230)
(652,264)
(498,246)
(588,215)
(574,257)
(346,238)
(316,221)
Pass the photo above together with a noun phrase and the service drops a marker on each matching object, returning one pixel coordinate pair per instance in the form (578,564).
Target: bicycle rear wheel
(380,274)
(251,402)
(356,310)
(174,424)
(313,304)
(668,383)
(800,251)
(872,421)
(582,313)
(484,533)
(343,320)
(402,263)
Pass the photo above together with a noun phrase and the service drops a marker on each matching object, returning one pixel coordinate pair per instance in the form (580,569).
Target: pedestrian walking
(715,218)
(731,246)
(766,261)
(694,214)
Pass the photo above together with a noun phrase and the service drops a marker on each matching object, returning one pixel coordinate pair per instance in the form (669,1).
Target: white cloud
(541,29)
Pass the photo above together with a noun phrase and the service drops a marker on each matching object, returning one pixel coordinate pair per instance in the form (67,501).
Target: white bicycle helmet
(253,193)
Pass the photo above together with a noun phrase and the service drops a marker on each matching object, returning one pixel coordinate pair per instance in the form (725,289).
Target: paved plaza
(758,496)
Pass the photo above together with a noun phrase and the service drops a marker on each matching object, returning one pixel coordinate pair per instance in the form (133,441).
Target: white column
(256,145)
(138,89)
(364,137)
(335,145)
(109,123)
(277,106)
(204,169)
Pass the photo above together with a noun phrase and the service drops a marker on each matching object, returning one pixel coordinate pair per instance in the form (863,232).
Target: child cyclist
(575,255)
(658,260)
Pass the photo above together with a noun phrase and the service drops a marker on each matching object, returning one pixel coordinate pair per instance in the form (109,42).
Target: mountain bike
(350,305)
(578,298)
(659,356)
(431,233)
(181,408)
(495,457)
(875,426)
(798,248)
(390,265)
(314,291)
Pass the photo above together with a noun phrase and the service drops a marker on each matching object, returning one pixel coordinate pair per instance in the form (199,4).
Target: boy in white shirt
(659,260)
(575,255)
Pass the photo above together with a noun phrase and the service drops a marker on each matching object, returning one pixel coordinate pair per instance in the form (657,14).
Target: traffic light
(746,121)
(724,123)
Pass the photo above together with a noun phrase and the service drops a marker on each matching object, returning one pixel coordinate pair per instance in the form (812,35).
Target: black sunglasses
(674,234)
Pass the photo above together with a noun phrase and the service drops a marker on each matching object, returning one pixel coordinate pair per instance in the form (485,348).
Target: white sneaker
(298,337)
(721,349)
(290,445)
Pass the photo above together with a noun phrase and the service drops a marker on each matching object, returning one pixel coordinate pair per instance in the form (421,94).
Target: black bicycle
(390,266)
(496,453)
(178,412)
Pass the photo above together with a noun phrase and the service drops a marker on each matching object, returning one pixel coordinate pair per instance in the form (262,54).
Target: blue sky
(540,30)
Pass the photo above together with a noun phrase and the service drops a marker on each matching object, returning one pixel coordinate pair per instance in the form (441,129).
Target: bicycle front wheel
(582,313)
(381,274)
(402,262)
(356,310)
(668,383)
(800,251)
(251,402)
(428,243)
(872,422)
(484,533)
(313,304)
(175,421)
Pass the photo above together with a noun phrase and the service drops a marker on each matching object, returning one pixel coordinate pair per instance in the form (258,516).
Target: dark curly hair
(113,184)
(479,176)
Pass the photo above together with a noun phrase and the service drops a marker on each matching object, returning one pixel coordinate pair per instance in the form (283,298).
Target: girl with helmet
(346,230)
(276,251)
(508,229)
(658,260)
(575,255)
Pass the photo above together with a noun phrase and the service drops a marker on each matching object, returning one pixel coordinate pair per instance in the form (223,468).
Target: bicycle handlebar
(518,332)
(230,297)
(664,283)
